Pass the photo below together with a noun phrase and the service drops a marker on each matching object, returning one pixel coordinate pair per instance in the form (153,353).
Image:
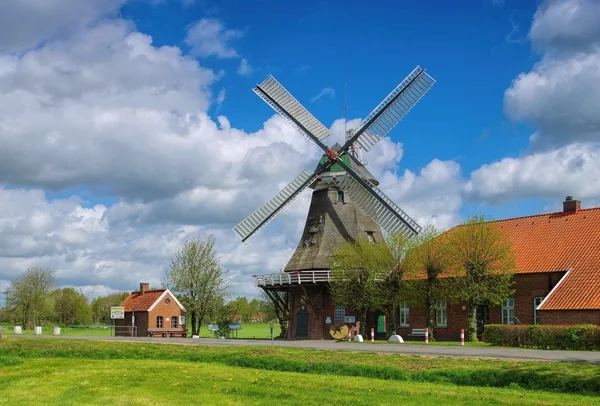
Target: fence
(100,330)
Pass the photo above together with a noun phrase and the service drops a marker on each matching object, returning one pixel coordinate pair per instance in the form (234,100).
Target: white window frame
(536,314)
(441,313)
(339,314)
(160,321)
(181,320)
(508,311)
(404,315)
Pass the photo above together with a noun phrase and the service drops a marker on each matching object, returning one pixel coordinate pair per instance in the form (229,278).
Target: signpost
(117,312)
(235,327)
(272,336)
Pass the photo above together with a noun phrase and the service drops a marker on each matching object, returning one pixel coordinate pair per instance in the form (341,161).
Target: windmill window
(159,322)
(371,236)
(340,196)
(339,314)
(309,238)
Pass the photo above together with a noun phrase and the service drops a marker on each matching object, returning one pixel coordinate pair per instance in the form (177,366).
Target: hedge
(575,337)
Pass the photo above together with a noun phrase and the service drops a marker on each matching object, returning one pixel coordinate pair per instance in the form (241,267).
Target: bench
(417,332)
(167,332)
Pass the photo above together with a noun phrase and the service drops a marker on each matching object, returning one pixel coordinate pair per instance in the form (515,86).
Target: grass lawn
(61,381)
(307,365)
(250,330)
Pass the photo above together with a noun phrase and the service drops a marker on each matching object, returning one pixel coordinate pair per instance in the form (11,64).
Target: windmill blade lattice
(262,216)
(271,90)
(392,221)
(393,108)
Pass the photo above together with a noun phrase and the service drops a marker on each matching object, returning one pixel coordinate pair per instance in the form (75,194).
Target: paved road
(440,351)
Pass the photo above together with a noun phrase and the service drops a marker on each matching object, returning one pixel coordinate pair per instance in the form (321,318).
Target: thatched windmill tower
(346,205)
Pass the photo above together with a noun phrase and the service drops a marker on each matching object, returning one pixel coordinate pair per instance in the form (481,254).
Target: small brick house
(157,312)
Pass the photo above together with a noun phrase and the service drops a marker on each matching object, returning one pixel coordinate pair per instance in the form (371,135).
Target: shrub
(575,337)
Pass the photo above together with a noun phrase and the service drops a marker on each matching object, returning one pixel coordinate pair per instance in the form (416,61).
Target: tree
(367,276)
(197,279)
(427,260)
(71,307)
(481,252)
(101,306)
(28,297)
(274,306)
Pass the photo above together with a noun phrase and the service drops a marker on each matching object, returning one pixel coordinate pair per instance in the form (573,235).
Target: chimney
(570,205)
(143,288)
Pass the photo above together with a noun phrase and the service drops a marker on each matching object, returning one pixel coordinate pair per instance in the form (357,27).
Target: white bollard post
(18,330)
(427,335)
(37,330)
(56,331)
(372,335)
(350,334)
(462,336)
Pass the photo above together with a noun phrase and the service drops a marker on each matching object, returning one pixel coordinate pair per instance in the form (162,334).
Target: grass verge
(56,381)
(547,376)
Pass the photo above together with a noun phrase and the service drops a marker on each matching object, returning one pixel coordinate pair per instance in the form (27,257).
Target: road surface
(433,350)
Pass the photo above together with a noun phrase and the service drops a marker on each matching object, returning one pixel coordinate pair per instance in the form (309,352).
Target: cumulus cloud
(209,37)
(24,24)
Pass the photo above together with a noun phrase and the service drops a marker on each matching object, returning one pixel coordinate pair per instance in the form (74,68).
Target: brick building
(156,312)
(557,275)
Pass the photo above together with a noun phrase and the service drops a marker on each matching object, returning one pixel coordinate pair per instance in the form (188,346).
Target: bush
(575,337)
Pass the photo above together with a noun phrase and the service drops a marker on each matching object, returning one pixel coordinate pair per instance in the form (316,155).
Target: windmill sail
(267,212)
(392,221)
(270,90)
(394,107)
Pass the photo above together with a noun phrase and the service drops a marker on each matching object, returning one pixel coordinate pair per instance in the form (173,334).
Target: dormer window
(371,236)
(309,238)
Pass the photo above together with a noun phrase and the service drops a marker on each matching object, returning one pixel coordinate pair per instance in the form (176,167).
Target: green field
(250,330)
(34,371)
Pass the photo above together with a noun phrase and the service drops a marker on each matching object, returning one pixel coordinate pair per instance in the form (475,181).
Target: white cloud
(208,37)
(326,92)
(570,170)
(221,96)
(566,26)
(244,69)
(25,24)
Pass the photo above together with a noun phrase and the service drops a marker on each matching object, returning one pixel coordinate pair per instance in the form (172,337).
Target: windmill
(361,189)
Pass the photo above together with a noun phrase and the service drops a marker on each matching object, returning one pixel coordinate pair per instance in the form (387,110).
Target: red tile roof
(143,302)
(560,242)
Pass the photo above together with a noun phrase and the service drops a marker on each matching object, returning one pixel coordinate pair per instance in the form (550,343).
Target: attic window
(340,196)
(371,236)
(309,239)
(167,300)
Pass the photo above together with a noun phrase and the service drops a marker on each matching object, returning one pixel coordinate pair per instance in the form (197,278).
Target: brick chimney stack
(143,288)
(570,205)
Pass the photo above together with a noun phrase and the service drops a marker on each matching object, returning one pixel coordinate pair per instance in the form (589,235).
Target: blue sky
(130,126)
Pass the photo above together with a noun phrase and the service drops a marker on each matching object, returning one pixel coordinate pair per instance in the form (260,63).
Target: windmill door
(302,324)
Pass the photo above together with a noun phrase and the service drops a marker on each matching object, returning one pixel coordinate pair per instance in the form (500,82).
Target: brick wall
(554,317)
(167,311)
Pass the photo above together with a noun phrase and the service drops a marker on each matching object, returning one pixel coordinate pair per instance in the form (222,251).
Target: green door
(380,332)
(302,324)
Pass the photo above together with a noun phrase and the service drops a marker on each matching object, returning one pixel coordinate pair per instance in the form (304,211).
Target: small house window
(167,300)
(404,315)
(508,311)
(441,313)
(174,320)
(181,320)
(371,236)
(339,314)
(159,321)
(536,314)
(340,196)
